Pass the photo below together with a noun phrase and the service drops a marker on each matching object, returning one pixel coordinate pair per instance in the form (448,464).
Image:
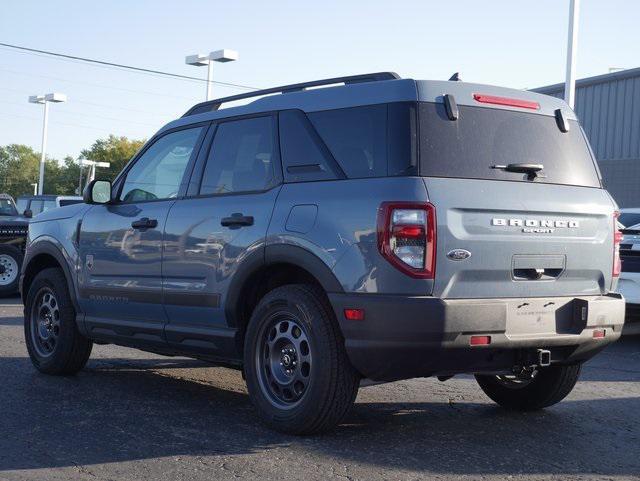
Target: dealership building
(608,107)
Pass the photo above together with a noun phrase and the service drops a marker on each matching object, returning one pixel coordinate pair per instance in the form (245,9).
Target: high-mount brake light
(617,239)
(506,101)
(407,237)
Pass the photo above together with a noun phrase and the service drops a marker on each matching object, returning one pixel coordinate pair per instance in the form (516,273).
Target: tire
(10,264)
(296,321)
(549,386)
(53,341)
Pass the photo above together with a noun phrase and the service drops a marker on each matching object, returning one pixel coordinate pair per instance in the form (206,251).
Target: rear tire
(54,343)
(297,371)
(10,264)
(549,386)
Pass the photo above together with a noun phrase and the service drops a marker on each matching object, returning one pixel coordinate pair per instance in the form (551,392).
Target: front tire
(10,264)
(548,386)
(298,375)
(54,343)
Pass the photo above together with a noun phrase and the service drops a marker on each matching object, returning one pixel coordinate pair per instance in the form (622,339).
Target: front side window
(48,204)
(241,157)
(22,205)
(36,207)
(157,174)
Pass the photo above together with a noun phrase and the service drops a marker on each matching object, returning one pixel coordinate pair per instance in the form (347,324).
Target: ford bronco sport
(379,229)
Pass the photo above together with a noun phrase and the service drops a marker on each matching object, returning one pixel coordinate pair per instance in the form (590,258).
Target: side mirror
(28,214)
(97,192)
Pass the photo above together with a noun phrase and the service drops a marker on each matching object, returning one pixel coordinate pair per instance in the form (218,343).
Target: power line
(84,114)
(122,66)
(90,84)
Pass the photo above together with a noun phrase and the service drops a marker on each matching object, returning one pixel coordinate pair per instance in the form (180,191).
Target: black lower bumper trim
(404,337)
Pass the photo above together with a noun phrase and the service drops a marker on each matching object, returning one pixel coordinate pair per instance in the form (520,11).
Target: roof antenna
(455,77)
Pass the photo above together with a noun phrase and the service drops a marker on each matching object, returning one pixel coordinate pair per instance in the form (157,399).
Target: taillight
(407,237)
(617,238)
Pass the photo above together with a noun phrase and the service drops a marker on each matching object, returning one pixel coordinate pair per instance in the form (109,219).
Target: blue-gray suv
(358,228)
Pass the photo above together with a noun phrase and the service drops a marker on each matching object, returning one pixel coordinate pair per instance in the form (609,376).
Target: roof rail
(213,105)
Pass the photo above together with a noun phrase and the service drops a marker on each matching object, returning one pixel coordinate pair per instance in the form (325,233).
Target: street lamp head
(36,99)
(56,97)
(224,55)
(199,59)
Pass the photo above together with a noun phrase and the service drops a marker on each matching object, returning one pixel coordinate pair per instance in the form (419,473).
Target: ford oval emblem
(459,254)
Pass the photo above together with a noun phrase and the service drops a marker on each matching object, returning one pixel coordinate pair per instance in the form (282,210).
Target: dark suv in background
(378,229)
(13,236)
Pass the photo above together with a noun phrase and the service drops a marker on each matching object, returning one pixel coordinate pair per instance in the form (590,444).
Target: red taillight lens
(617,238)
(506,101)
(407,237)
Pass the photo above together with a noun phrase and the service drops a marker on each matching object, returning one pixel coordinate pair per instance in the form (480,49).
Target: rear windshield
(483,137)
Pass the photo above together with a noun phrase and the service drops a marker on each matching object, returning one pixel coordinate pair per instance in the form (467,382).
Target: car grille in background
(630,260)
(12,231)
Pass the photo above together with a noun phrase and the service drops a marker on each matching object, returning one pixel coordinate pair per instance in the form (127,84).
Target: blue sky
(519,44)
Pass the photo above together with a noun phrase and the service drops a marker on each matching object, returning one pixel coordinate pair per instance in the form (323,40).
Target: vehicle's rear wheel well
(260,283)
(37,264)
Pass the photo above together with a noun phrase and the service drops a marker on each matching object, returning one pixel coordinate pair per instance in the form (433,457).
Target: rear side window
(370,141)
(483,137)
(241,157)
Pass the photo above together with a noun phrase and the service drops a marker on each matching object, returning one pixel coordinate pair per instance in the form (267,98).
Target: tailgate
(525,239)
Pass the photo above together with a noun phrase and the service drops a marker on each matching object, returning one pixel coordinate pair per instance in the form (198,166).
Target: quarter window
(371,141)
(157,174)
(241,157)
(304,156)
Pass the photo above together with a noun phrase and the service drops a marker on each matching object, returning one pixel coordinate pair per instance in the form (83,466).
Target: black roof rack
(213,105)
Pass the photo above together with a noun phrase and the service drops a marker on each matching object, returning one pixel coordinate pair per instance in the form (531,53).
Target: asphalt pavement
(132,415)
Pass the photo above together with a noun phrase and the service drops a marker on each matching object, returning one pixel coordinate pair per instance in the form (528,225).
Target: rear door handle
(237,220)
(144,223)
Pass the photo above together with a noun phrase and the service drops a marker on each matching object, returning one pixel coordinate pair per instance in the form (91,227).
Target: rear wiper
(533,170)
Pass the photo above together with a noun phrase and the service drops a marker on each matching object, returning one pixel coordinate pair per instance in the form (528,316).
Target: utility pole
(572,49)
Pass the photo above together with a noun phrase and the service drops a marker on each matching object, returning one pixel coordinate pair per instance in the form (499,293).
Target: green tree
(115,150)
(18,169)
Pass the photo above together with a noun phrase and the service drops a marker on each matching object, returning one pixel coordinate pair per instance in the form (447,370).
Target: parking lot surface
(132,415)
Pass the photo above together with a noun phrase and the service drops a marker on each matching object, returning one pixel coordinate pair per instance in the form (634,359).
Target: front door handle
(144,223)
(237,220)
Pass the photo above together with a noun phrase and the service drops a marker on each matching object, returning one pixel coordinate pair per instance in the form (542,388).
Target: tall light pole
(46,99)
(201,59)
(572,49)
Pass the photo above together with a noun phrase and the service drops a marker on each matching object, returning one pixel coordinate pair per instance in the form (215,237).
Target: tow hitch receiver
(544,357)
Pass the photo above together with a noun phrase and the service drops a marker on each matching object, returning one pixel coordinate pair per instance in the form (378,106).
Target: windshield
(483,137)
(629,219)
(38,206)
(7,207)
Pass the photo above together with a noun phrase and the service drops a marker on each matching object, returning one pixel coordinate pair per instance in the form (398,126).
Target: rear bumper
(405,337)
